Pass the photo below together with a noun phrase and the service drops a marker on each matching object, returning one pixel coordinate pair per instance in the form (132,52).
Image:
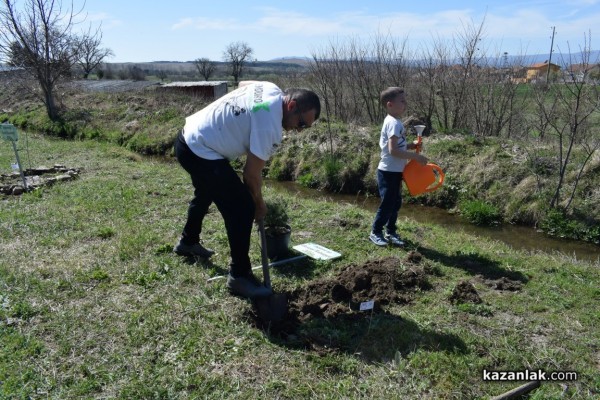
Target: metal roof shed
(208,89)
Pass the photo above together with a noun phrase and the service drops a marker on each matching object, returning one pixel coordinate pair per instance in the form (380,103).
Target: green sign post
(9,132)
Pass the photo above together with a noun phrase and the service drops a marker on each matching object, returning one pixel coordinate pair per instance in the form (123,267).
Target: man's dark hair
(306,100)
(390,94)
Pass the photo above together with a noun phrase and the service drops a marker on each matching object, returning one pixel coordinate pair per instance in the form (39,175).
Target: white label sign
(317,251)
(367,305)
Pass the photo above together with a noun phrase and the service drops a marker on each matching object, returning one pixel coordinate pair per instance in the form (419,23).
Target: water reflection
(518,237)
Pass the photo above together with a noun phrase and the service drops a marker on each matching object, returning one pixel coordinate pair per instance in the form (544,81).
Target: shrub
(479,212)
(281,169)
(332,167)
(308,180)
(557,223)
(276,212)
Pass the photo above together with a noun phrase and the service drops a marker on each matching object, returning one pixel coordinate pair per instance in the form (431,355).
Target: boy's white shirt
(247,119)
(392,127)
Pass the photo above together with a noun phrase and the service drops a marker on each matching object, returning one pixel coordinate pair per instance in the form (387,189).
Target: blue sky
(183,30)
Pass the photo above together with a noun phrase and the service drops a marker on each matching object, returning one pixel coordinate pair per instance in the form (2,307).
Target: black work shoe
(189,250)
(247,286)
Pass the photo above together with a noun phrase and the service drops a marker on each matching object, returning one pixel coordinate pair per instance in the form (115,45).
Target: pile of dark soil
(338,298)
(382,281)
(465,292)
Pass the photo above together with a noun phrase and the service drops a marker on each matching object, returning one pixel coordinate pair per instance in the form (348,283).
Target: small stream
(518,237)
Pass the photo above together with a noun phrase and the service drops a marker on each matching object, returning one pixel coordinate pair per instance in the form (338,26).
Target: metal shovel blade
(271,308)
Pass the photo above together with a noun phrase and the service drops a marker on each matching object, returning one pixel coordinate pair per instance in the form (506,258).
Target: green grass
(480,213)
(93,304)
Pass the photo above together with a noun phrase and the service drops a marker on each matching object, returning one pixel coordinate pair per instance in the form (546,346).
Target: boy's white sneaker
(378,239)
(394,239)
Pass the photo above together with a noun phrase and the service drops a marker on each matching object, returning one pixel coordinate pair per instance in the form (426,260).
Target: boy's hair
(390,94)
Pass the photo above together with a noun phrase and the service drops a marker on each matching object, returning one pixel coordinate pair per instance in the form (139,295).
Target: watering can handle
(440,174)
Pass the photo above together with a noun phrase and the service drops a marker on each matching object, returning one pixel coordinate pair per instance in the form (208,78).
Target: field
(93,303)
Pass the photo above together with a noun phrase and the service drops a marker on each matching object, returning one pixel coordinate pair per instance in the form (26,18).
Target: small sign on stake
(9,132)
(367,305)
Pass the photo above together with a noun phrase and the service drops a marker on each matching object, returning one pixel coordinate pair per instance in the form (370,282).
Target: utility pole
(550,57)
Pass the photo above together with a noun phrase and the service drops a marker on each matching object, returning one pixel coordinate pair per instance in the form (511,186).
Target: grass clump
(556,223)
(480,213)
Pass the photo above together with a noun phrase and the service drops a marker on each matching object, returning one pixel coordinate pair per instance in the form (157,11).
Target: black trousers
(215,181)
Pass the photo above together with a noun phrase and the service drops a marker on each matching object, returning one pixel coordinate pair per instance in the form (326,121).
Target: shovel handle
(263,254)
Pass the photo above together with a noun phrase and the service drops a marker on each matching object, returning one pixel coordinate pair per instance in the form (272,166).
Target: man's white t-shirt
(392,127)
(248,119)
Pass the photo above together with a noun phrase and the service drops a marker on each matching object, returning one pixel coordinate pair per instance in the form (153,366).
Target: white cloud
(518,25)
(289,23)
(107,20)
(202,23)
(584,3)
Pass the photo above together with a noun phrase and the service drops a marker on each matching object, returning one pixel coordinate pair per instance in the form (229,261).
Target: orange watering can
(420,178)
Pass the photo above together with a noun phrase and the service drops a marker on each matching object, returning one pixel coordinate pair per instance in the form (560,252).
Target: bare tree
(205,67)
(162,74)
(350,75)
(566,124)
(237,54)
(91,55)
(462,76)
(327,78)
(136,73)
(425,85)
(107,71)
(46,48)
(578,101)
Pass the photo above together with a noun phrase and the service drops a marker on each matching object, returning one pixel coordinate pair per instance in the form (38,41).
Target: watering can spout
(419,129)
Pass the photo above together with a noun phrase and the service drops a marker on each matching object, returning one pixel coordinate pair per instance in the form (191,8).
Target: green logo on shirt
(261,106)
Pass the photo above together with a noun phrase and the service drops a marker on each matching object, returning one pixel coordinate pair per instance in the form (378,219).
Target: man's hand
(261,211)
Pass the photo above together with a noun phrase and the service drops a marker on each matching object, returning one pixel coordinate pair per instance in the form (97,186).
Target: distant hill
(189,65)
(303,61)
(557,58)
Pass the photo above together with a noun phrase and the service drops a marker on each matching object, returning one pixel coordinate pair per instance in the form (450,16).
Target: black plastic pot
(278,241)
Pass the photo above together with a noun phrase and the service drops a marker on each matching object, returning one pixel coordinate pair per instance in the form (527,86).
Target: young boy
(394,156)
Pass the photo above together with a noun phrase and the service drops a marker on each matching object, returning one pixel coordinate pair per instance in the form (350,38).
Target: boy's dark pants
(216,181)
(390,186)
